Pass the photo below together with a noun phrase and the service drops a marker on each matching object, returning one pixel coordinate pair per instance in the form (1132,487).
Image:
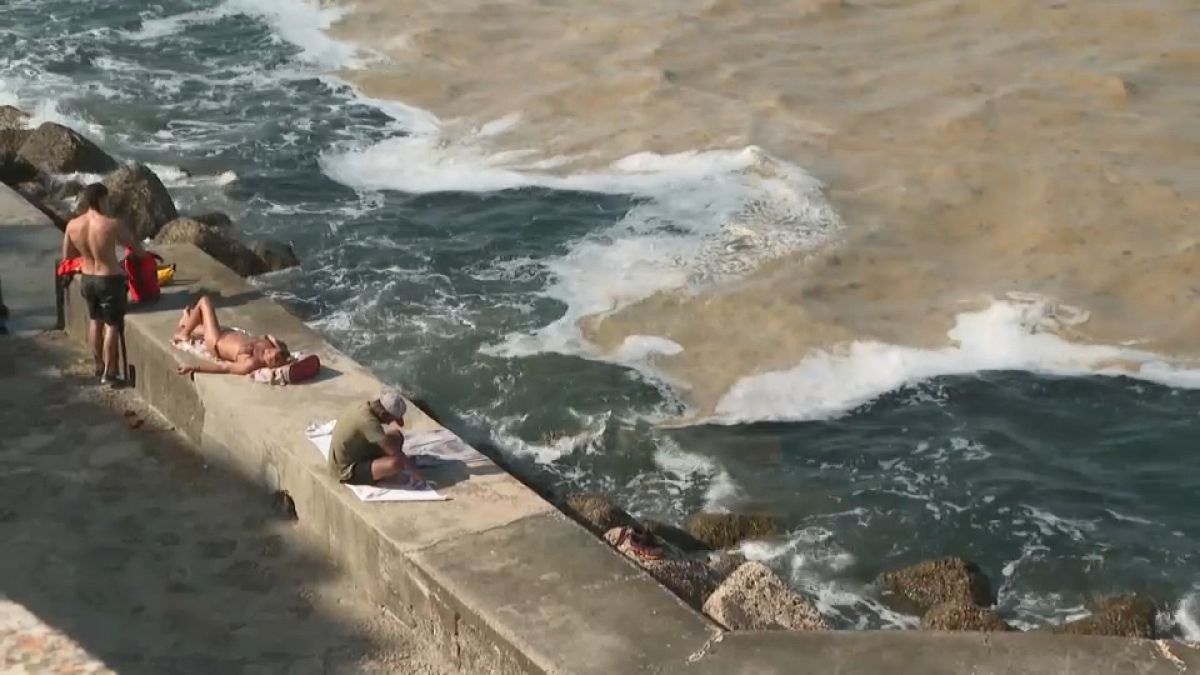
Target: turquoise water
(1061,488)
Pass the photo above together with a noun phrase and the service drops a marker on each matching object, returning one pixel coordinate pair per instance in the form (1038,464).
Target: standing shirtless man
(94,236)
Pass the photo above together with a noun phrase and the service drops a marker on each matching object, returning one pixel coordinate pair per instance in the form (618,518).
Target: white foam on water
(304,23)
(173,176)
(1187,616)
(549,451)
(644,347)
(1016,334)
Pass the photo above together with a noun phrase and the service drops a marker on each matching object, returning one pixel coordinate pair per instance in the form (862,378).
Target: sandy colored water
(973,148)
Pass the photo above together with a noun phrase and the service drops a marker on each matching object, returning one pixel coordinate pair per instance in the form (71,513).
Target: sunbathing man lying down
(238,352)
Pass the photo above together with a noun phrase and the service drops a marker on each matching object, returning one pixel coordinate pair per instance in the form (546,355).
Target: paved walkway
(122,549)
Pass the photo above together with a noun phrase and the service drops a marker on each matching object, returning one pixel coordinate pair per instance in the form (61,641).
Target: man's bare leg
(111,338)
(202,314)
(94,337)
(387,467)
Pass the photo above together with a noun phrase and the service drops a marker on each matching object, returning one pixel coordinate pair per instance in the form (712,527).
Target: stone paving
(122,550)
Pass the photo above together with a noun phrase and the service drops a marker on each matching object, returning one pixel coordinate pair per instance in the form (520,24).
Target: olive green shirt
(356,438)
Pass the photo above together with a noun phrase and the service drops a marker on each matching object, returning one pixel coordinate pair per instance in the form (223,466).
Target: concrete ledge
(29,248)
(497,577)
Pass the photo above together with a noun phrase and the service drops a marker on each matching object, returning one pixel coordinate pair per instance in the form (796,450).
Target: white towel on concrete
(322,434)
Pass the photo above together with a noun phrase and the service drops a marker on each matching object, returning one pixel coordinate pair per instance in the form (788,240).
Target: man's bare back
(94,237)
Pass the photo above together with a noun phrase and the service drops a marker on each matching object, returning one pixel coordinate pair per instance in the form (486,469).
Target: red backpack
(141,274)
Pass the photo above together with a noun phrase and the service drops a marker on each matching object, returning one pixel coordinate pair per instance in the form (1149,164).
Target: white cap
(393,403)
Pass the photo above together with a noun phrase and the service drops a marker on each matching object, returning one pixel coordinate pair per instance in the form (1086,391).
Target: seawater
(464,286)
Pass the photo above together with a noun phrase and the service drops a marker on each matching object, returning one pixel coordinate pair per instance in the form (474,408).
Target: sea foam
(1014,334)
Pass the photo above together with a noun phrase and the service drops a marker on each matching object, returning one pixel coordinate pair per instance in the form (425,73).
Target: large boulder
(719,531)
(275,255)
(216,219)
(933,582)
(13,118)
(137,197)
(960,616)
(214,241)
(675,536)
(597,512)
(35,192)
(724,563)
(54,148)
(11,140)
(1122,616)
(15,169)
(755,598)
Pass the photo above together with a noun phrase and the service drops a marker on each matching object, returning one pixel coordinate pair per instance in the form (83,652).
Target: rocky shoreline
(47,165)
(698,561)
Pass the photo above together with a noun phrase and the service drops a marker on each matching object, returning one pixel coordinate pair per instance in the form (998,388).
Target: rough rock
(34,191)
(54,148)
(13,118)
(68,189)
(1122,616)
(597,512)
(675,536)
(691,580)
(275,255)
(216,219)
(960,616)
(214,241)
(723,530)
(933,582)
(138,197)
(755,598)
(15,169)
(11,140)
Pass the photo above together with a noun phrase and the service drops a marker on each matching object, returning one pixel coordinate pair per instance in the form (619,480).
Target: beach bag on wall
(141,274)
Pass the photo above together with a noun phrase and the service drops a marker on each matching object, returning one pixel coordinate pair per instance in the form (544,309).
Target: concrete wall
(496,576)
(29,247)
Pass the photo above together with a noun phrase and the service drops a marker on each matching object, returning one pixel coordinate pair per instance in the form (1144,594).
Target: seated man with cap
(361,452)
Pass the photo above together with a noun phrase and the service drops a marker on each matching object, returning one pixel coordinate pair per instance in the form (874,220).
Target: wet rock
(138,197)
(1122,616)
(597,512)
(960,616)
(58,211)
(725,563)
(691,580)
(214,241)
(216,219)
(13,118)
(65,189)
(933,582)
(724,530)
(755,598)
(54,148)
(15,169)
(275,255)
(11,140)
(675,536)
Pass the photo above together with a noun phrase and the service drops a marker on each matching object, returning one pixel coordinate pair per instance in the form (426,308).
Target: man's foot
(111,380)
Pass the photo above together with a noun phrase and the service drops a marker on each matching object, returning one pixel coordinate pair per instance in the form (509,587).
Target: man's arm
(68,246)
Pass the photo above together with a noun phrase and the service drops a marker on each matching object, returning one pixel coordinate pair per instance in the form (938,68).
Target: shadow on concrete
(126,541)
